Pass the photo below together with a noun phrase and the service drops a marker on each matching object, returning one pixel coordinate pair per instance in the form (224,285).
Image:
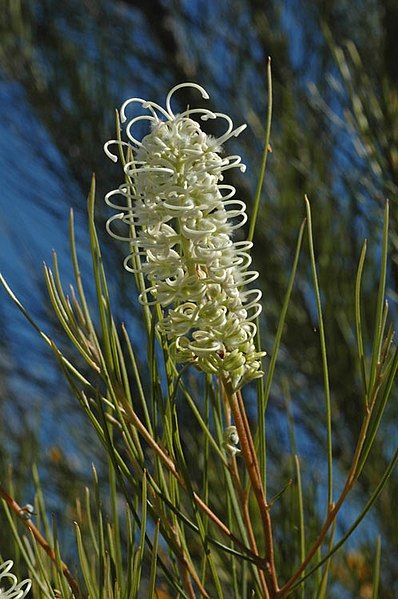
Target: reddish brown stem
(244,500)
(27,522)
(186,578)
(248,433)
(250,457)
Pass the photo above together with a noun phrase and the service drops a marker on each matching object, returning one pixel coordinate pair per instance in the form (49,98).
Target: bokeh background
(64,68)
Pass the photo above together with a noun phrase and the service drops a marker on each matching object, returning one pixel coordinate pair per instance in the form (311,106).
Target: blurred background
(64,68)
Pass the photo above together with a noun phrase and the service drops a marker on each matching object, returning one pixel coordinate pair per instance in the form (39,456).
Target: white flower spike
(9,586)
(185,217)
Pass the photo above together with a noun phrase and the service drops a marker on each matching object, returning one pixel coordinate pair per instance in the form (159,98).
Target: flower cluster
(185,217)
(14,589)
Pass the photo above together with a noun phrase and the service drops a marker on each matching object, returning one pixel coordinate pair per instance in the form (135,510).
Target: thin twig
(27,522)
(250,457)
(244,500)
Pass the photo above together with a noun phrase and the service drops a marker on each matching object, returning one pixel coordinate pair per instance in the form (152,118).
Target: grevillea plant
(185,217)
(187,510)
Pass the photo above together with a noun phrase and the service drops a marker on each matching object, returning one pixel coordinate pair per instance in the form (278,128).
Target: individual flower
(10,588)
(184,216)
(230,441)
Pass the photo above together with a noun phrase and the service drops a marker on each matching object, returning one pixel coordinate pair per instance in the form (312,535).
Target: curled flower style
(185,216)
(9,586)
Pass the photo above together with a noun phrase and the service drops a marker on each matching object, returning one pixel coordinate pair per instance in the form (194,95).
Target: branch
(246,442)
(27,522)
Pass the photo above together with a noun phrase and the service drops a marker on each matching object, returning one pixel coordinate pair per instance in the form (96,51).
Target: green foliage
(163,523)
(346,197)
